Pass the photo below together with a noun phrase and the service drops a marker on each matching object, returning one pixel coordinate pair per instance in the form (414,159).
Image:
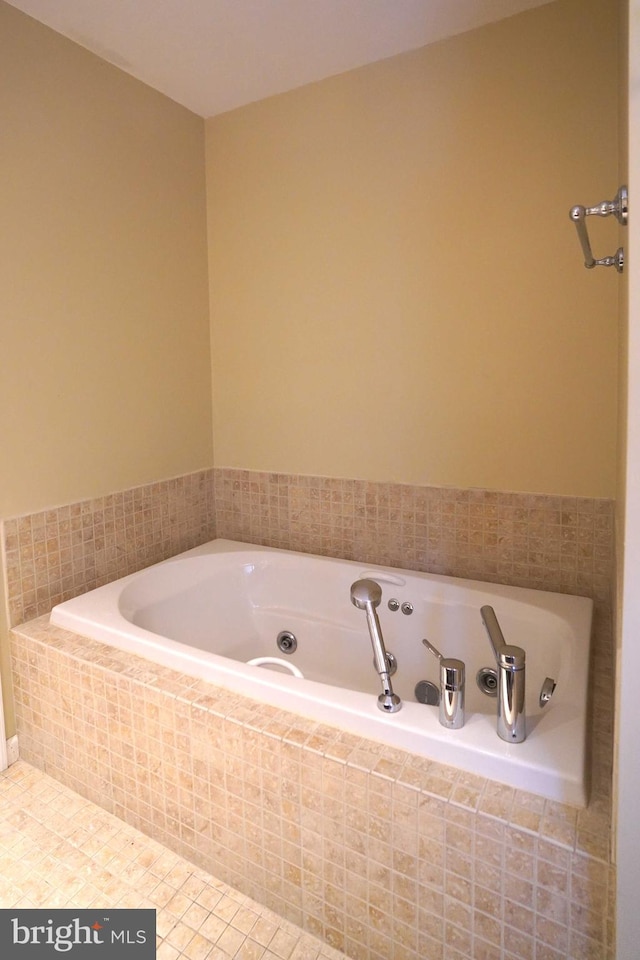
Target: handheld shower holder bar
(619,207)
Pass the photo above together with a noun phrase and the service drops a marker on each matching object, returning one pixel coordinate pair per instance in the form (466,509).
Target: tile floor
(59,850)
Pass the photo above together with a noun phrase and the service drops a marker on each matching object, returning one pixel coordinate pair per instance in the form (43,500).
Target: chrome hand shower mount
(366,595)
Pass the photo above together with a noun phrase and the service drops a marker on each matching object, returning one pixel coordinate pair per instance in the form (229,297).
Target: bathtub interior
(207,612)
(237,610)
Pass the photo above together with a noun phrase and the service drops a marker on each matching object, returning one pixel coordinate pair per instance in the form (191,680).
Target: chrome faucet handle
(452,678)
(430,647)
(505,653)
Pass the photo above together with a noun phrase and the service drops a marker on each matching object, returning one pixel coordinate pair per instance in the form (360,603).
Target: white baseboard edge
(13,753)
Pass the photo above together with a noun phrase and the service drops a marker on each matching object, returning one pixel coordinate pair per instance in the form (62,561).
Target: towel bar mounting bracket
(619,208)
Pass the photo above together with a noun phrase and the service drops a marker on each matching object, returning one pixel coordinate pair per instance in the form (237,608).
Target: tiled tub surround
(562,544)
(542,891)
(384,855)
(56,554)
(549,543)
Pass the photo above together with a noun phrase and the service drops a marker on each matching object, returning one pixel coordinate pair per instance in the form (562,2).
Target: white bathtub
(209,610)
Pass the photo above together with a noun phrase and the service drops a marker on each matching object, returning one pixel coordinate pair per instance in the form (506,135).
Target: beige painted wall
(396,288)
(104,373)
(623,318)
(397,292)
(105,380)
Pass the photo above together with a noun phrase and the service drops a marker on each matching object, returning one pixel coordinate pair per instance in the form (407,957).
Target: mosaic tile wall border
(563,544)
(545,542)
(59,553)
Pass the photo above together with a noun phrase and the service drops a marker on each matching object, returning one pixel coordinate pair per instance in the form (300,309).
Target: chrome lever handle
(430,647)
(452,679)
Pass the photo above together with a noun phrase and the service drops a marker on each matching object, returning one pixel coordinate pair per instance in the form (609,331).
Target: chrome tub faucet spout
(366,595)
(510,662)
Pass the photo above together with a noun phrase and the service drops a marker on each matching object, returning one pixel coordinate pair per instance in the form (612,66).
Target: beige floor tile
(59,850)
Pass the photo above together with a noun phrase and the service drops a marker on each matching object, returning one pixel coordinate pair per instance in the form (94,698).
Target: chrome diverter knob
(452,678)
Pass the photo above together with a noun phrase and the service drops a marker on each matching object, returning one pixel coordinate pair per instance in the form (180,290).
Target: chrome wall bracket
(619,207)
